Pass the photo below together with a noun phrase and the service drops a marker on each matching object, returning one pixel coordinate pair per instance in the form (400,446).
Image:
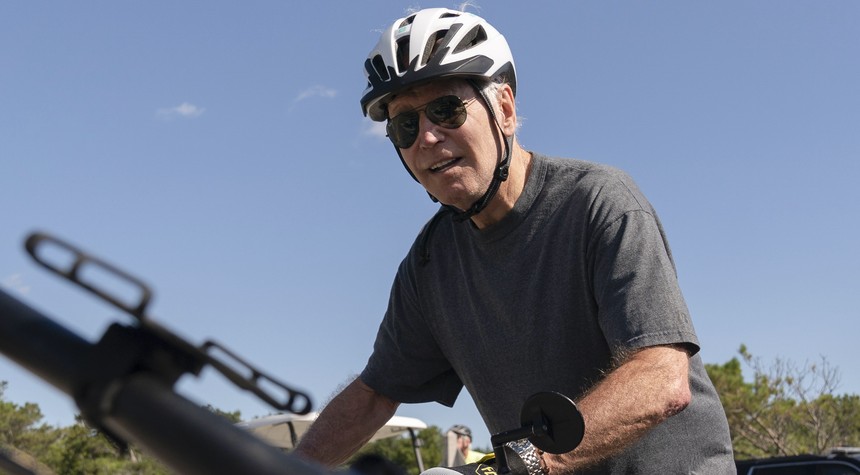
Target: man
(538,274)
(465,454)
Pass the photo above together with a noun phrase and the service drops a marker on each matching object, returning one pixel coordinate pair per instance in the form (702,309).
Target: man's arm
(346,424)
(650,386)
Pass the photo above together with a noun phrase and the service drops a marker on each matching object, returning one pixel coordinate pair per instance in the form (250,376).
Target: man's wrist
(531,457)
(543,466)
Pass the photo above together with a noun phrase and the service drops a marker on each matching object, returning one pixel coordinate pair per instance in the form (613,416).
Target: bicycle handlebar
(140,407)
(124,383)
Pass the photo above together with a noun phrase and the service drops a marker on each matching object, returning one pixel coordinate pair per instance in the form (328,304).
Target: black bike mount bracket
(145,346)
(549,420)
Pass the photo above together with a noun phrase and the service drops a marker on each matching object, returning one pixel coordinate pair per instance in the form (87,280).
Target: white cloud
(316,91)
(184,110)
(14,282)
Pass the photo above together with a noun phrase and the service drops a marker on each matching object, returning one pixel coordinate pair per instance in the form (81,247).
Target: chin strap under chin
(500,175)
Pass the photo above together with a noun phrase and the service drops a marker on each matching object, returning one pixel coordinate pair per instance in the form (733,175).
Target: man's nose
(428,132)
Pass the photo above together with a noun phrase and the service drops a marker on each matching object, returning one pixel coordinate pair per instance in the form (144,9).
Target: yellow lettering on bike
(482,469)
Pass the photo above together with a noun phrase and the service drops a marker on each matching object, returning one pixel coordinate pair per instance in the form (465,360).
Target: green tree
(85,450)
(78,449)
(21,435)
(233,417)
(786,409)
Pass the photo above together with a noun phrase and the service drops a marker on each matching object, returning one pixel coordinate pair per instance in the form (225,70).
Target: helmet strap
(502,167)
(499,175)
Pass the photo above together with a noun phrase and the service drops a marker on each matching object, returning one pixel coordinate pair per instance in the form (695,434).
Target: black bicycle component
(151,346)
(562,426)
(123,384)
(296,402)
(38,246)
(139,407)
(550,421)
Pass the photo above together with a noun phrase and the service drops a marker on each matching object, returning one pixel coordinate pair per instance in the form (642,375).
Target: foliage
(400,451)
(78,449)
(233,417)
(20,428)
(786,409)
(84,450)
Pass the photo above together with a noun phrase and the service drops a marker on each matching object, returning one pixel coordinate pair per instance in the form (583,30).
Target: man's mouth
(444,165)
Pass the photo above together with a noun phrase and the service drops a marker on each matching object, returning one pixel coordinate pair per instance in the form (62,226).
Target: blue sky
(217,150)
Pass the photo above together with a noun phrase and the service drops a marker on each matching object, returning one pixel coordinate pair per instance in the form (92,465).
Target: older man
(537,274)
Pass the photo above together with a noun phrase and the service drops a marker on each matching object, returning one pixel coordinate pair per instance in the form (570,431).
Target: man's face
(463,443)
(454,165)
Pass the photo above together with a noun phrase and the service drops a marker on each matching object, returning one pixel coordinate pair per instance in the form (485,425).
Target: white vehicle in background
(285,430)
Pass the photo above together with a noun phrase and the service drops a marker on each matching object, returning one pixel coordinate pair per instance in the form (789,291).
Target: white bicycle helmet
(432,44)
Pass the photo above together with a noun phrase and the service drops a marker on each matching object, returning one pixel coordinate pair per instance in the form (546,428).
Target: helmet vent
(473,38)
(407,21)
(432,45)
(403,53)
(379,67)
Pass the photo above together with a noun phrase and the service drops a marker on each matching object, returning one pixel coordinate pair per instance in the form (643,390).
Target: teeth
(442,164)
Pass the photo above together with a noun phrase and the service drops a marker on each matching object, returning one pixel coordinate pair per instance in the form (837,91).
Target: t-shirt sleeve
(635,282)
(407,364)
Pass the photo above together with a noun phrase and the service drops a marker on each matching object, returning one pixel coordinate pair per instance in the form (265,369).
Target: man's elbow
(678,397)
(678,394)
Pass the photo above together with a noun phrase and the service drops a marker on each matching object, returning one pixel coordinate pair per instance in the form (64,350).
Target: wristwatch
(530,456)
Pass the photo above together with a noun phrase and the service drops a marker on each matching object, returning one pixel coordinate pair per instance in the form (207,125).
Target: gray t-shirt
(578,273)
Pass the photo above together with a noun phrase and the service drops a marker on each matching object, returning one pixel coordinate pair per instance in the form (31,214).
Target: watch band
(529,456)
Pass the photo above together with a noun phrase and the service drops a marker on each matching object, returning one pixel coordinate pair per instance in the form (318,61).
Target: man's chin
(460,201)
(459,207)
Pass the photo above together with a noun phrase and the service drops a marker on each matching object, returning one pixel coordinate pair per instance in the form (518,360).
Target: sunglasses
(445,111)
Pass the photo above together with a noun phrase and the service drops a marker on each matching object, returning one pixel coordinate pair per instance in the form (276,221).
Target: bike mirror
(557,425)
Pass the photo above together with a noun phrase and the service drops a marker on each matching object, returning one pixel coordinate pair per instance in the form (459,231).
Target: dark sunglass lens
(447,111)
(403,129)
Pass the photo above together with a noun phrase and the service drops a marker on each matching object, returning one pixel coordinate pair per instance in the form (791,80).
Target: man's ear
(509,109)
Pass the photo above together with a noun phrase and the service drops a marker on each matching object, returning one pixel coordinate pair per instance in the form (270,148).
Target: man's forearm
(651,386)
(345,425)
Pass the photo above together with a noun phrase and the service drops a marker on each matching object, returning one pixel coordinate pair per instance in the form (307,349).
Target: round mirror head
(557,425)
